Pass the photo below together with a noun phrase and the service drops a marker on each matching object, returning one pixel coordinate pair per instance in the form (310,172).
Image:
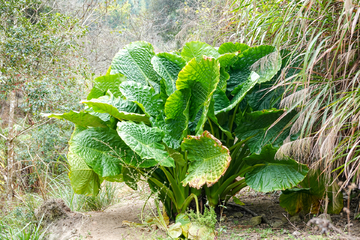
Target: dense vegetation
(274,88)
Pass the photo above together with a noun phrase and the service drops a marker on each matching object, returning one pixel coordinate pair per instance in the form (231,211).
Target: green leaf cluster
(191,123)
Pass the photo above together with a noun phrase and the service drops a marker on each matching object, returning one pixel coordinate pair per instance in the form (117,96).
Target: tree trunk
(11,166)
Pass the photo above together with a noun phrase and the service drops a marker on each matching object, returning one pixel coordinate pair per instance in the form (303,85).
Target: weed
(266,232)
(206,219)
(18,220)
(105,198)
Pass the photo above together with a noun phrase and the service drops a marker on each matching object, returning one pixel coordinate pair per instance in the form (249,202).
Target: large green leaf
(145,97)
(209,160)
(118,108)
(230,47)
(83,119)
(264,60)
(168,66)
(102,150)
(177,117)
(106,83)
(269,174)
(242,90)
(309,197)
(263,129)
(83,179)
(198,50)
(134,61)
(145,141)
(201,77)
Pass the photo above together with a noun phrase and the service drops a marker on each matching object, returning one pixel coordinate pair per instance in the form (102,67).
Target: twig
(29,128)
(3,136)
(296,228)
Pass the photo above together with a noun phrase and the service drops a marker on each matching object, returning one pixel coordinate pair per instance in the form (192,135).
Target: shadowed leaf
(269,174)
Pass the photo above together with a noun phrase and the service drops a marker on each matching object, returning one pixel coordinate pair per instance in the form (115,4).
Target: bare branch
(29,128)
(3,137)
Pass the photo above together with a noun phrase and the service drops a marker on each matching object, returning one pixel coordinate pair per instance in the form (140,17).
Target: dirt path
(235,223)
(108,224)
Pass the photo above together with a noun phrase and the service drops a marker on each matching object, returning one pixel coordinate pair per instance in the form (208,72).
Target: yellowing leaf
(209,160)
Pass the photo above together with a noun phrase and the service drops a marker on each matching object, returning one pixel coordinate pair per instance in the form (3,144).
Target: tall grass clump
(323,39)
(17,221)
(17,217)
(60,187)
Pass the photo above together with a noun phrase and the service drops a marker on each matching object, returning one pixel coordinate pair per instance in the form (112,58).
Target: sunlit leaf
(82,178)
(237,201)
(83,119)
(174,230)
(134,61)
(201,77)
(227,59)
(106,83)
(198,50)
(230,47)
(118,108)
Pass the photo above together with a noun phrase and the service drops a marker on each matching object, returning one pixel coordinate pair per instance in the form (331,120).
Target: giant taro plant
(199,122)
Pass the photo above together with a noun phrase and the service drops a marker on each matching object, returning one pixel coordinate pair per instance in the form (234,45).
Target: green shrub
(189,123)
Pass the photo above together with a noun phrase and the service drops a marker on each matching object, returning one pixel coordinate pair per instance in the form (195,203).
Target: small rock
(238,215)
(295,219)
(254,221)
(277,224)
(296,234)
(325,216)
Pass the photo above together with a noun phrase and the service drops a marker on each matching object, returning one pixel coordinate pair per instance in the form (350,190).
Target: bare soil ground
(234,222)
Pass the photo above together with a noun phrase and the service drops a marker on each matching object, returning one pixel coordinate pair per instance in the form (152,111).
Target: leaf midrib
(138,66)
